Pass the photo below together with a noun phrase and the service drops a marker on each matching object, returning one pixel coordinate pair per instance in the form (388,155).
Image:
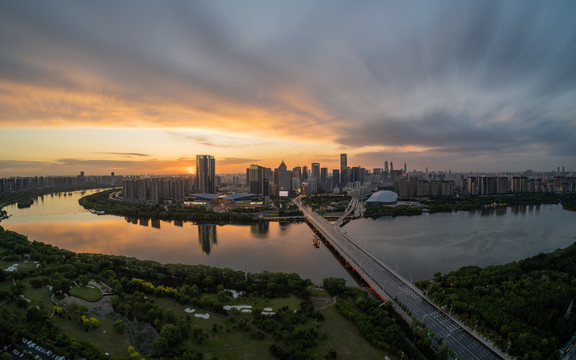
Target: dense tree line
(338,202)
(376,211)
(100,201)
(448,204)
(8,198)
(524,305)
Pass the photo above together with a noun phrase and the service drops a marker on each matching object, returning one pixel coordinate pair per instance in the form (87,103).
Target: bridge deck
(390,285)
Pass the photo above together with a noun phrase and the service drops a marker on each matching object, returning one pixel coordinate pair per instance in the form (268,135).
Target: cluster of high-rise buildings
(42,182)
(262,182)
(497,185)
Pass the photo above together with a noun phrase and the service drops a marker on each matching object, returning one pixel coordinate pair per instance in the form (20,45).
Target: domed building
(382,197)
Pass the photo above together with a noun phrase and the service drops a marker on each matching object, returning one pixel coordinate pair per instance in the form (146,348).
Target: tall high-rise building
(257,178)
(405,169)
(316,175)
(344,168)
(206,174)
(335,176)
(297,174)
(282,178)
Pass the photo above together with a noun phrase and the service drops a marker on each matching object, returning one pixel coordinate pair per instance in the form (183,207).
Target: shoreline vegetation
(186,311)
(466,203)
(524,305)
(327,205)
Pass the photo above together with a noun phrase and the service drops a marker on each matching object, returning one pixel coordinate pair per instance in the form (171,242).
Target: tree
(83,280)
(334,286)
(119,326)
(172,334)
(94,322)
(160,345)
(85,321)
(57,286)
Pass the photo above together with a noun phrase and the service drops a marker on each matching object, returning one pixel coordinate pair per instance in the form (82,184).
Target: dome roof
(383,196)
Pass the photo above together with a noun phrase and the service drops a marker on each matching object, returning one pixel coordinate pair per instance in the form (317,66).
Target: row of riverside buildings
(484,185)
(42,182)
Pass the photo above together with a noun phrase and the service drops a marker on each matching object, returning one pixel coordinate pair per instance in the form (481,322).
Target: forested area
(524,305)
(147,292)
(448,204)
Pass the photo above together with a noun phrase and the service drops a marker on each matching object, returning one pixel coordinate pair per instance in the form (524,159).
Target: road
(390,285)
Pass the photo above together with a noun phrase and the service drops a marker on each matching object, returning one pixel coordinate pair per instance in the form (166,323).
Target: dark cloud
(459,76)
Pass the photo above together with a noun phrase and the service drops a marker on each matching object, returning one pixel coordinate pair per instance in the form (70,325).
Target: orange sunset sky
(141,88)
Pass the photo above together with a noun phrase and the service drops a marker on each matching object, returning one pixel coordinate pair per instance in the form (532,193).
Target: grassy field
(103,337)
(86,293)
(22,265)
(226,335)
(38,297)
(345,338)
(254,349)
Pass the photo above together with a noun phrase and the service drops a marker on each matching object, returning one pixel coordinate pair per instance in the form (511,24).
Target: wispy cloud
(128,154)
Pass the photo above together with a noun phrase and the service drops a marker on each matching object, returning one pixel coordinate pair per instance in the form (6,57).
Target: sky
(142,87)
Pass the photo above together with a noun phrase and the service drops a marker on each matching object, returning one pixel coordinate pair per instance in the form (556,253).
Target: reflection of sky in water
(285,247)
(419,245)
(422,245)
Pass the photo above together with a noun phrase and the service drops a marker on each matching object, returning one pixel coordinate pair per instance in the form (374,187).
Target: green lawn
(254,349)
(38,297)
(110,341)
(28,265)
(345,338)
(216,340)
(86,293)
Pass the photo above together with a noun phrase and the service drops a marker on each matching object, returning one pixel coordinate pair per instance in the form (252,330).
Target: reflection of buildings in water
(131,220)
(207,237)
(156,223)
(283,225)
(518,209)
(487,211)
(260,228)
(144,222)
(501,210)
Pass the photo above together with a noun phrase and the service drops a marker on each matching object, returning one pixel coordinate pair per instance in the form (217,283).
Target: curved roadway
(390,285)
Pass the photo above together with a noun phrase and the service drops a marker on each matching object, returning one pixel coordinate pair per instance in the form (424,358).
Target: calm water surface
(275,247)
(421,245)
(418,246)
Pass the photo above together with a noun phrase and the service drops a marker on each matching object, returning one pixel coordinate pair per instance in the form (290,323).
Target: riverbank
(452,204)
(152,305)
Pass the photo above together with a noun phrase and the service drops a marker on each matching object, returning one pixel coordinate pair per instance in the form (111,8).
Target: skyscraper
(316,176)
(343,168)
(256,176)
(282,178)
(206,174)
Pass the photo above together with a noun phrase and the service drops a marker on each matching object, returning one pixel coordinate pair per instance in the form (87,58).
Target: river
(418,246)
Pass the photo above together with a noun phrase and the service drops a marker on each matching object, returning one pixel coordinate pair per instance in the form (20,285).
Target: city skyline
(136,88)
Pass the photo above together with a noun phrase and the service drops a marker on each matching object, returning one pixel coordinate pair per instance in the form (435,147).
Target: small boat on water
(316,242)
